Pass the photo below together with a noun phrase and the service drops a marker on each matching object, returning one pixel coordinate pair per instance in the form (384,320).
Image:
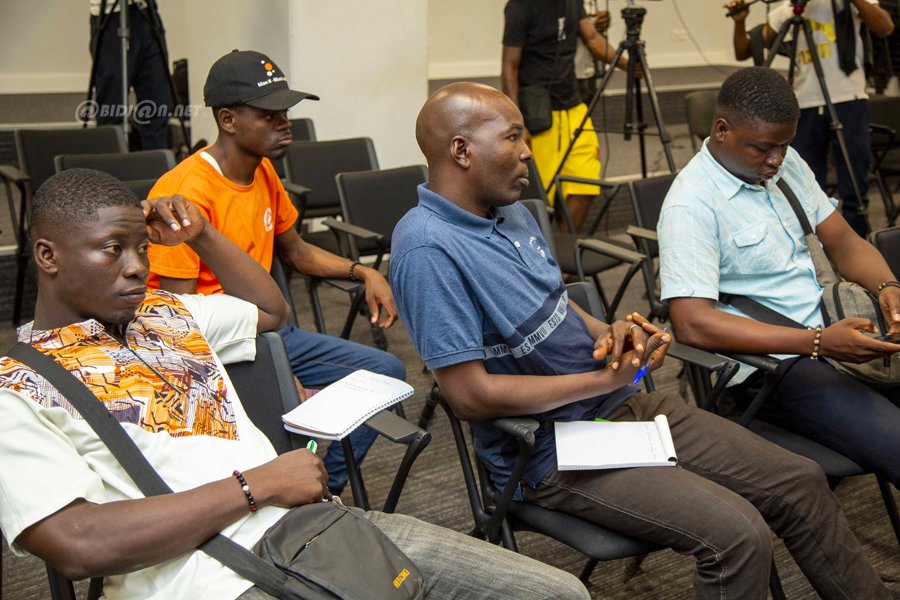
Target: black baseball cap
(251,78)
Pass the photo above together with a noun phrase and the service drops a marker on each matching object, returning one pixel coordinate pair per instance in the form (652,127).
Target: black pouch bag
(328,550)
(537,110)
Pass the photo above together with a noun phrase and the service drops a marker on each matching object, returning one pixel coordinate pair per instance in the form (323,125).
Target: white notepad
(583,445)
(346,404)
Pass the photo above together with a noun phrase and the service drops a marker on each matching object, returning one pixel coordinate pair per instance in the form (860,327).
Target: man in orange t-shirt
(235,187)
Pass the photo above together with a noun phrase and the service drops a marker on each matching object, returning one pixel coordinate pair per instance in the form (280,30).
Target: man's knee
(391,366)
(745,556)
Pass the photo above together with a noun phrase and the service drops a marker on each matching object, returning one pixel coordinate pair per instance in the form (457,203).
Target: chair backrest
(266,388)
(885,110)
(535,188)
(37,148)
(888,243)
(538,210)
(303,130)
(585,295)
(647,197)
(132,166)
(701,108)
(377,200)
(282,276)
(315,165)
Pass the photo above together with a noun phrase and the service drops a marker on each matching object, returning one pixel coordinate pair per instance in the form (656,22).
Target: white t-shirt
(51,459)
(841,87)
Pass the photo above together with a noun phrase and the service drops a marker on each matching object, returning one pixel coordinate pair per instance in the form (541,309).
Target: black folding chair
(36,150)
(884,123)
(138,170)
(372,202)
(888,243)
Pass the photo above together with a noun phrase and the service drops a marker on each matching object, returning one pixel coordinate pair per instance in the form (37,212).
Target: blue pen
(645,365)
(312,446)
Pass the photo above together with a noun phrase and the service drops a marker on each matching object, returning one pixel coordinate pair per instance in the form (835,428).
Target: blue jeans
(813,137)
(318,360)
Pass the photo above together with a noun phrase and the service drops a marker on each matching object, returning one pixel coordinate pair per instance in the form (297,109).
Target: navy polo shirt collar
(452,213)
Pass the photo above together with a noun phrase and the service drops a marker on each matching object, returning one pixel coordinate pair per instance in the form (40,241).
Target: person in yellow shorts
(539,41)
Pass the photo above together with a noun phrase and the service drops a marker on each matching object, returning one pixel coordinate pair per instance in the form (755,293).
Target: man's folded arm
(475,394)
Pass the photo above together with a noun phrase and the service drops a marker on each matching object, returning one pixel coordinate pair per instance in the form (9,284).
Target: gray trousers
(459,566)
(729,487)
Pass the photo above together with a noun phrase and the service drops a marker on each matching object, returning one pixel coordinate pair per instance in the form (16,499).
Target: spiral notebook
(341,407)
(584,445)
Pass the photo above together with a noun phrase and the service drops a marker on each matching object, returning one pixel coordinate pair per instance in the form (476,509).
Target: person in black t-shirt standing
(539,41)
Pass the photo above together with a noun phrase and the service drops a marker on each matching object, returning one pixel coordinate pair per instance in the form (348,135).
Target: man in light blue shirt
(726,228)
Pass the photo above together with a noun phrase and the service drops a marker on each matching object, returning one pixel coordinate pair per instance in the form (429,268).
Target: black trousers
(147,74)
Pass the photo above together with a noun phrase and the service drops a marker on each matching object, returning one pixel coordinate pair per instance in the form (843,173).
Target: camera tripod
(795,24)
(123,33)
(634,47)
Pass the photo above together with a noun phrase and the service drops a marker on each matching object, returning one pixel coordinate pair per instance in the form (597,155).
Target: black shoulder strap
(795,204)
(123,448)
(758,311)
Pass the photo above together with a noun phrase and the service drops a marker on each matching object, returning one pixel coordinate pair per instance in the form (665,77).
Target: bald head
(472,137)
(454,110)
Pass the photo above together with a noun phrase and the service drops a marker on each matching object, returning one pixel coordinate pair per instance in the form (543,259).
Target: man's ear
(45,256)
(459,149)
(225,119)
(720,128)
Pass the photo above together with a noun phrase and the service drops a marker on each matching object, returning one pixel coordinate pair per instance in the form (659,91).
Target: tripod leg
(641,56)
(641,126)
(836,126)
(584,120)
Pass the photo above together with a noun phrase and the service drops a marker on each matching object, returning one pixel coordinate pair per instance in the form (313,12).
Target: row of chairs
(884,129)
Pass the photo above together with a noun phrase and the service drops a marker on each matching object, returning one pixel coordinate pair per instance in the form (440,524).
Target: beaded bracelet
(353,265)
(817,341)
(246,489)
(886,284)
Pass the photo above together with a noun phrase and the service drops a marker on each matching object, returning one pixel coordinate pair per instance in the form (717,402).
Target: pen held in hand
(645,363)
(312,446)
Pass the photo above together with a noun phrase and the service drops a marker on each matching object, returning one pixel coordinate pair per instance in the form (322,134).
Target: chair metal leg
(589,567)
(775,583)
(312,287)
(21,270)
(413,449)
(431,402)
(360,496)
(890,505)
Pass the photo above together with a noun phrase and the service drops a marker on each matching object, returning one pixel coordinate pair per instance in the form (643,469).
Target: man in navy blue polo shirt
(487,310)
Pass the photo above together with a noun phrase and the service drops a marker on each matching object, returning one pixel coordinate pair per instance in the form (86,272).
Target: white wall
(465,36)
(369,67)
(215,27)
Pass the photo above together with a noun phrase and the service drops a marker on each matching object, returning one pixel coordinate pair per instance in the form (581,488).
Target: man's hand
(889,298)
(602,21)
(172,220)
(378,294)
(637,336)
(843,341)
(741,16)
(291,479)
(300,391)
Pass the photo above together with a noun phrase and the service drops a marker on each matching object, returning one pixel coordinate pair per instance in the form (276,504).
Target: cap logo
(270,72)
